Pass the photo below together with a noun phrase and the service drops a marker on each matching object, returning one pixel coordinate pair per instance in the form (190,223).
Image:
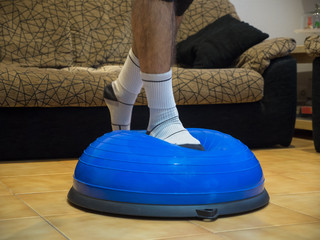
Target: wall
(278,18)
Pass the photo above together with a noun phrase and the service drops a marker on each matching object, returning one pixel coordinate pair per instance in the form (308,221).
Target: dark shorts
(180,6)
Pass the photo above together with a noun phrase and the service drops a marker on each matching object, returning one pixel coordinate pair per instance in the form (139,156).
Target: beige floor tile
(71,164)
(281,166)
(4,191)
(28,229)
(50,203)
(301,143)
(38,183)
(272,155)
(309,178)
(272,215)
(287,154)
(296,144)
(94,226)
(11,207)
(306,147)
(278,184)
(294,232)
(307,203)
(33,168)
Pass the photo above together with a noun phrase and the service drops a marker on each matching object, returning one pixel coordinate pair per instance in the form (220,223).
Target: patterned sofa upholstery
(56,57)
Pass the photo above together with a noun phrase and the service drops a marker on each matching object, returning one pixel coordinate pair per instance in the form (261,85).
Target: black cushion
(218,44)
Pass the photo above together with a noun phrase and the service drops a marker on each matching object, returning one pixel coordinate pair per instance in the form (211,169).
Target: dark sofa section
(38,133)
(316,103)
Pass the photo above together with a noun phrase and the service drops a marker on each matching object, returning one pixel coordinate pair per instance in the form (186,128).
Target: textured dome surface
(132,167)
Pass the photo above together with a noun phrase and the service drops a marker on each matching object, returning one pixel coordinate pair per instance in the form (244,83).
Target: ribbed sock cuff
(159,91)
(129,77)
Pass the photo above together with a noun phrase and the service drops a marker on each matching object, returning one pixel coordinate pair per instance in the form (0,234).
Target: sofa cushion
(201,13)
(258,57)
(216,86)
(48,87)
(218,44)
(35,33)
(83,87)
(100,31)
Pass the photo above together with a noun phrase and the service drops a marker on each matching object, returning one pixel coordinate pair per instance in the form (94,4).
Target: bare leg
(153,26)
(178,22)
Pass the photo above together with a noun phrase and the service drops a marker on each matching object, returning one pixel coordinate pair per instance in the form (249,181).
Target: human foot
(167,126)
(120,112)
(164,122)
(121,94)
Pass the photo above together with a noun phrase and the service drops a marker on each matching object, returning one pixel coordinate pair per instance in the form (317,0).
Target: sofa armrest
(312,45)
(259,56)
(280,97)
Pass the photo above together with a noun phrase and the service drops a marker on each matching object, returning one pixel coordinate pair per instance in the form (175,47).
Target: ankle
(162,116)
(122,94)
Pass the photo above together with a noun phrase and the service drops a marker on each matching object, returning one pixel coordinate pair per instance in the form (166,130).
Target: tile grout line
(258,228)
(268,227)
(295,193)
(292,193)
(10,191)
(318,218)
(54,227)
(17,218)
(43,218)
(198,225)
(30,193)
(36,175)
(182,236)
(44,192)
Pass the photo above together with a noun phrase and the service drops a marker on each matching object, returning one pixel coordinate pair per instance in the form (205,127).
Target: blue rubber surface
(132,167)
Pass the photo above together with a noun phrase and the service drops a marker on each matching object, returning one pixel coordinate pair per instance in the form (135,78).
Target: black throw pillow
(218,44)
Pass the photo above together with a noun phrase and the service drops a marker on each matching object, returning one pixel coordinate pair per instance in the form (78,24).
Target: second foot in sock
(172,131)
(180,137)
(120,112)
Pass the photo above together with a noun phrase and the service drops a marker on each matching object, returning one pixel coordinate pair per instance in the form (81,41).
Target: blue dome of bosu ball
(131,173)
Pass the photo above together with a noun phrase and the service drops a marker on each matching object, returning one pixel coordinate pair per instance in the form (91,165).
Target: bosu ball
(131,173)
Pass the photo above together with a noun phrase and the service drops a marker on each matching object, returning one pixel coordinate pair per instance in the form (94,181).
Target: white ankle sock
(121,95)
(164,122)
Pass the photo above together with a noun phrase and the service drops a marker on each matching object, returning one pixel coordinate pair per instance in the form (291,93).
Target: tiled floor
(33,205)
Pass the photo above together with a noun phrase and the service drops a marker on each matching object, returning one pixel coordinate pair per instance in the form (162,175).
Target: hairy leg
(153,27)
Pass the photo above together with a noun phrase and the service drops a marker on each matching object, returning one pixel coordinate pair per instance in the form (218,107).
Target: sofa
(312,46)
(57,56)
